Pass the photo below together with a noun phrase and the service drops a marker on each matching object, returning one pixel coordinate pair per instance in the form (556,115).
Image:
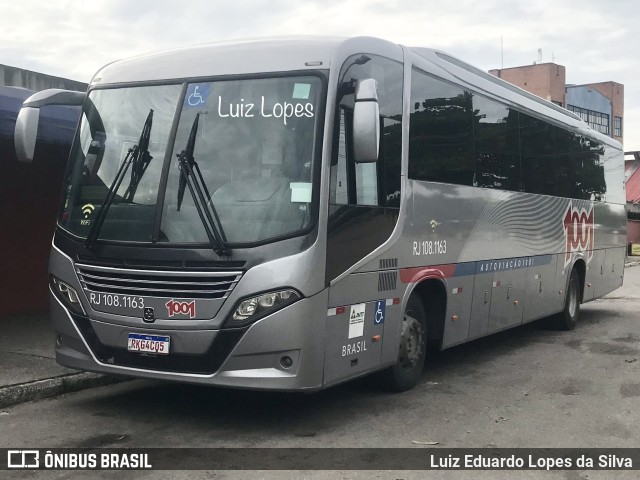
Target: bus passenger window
(496,145)
(440,131)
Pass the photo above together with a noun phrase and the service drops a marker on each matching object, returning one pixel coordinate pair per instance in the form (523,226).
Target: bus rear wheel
(567,319)
(412,350)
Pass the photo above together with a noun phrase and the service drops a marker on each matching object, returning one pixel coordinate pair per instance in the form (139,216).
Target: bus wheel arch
(421,325)
(581,268)
(574,295)
(432,293)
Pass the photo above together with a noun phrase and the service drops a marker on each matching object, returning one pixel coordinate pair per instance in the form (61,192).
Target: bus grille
(155,283)
(203,364)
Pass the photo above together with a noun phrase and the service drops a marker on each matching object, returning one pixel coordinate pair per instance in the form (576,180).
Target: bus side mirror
(366,122)
(26,130)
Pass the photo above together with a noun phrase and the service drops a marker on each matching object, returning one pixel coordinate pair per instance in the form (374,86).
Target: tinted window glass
(560,163)
(373,184)
(587,162)
(496,145)
(440,131)
(565,177)
(536,154)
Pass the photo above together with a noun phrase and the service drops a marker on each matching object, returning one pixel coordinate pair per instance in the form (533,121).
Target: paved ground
(527,387)
(26,350)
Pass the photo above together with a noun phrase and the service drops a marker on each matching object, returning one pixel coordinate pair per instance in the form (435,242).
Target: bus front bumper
(283,351)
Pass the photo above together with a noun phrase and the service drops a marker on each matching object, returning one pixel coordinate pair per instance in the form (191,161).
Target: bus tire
(567,319)
(406,373)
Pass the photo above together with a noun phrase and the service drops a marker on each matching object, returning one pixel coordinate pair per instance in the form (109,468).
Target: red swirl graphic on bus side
(578,232)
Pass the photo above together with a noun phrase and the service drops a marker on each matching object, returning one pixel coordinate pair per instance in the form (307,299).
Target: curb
(51,387)
(631,264)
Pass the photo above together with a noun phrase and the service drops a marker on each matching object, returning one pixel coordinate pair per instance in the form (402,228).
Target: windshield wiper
(198,189)
(138,155)
(141,161)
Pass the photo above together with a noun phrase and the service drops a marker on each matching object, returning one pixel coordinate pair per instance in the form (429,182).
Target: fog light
(286,362)
(58,340)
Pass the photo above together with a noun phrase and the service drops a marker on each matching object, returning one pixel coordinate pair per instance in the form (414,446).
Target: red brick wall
(547,80)
(633,231)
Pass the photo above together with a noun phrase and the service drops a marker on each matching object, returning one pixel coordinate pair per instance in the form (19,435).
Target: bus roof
(224,58)
(299,53)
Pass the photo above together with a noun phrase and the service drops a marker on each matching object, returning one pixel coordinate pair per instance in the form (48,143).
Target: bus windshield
(254,149)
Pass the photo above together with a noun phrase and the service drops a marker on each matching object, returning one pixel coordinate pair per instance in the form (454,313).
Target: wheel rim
(573,300)
(411,341)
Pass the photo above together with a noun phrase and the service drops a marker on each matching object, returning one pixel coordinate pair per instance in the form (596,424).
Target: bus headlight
(251,309)
(66,293)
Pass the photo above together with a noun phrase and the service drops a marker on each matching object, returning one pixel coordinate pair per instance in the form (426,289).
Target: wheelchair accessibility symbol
(378,318)
(196,95)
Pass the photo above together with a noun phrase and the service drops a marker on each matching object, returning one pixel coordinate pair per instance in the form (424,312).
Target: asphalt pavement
(525,387)
(28,369)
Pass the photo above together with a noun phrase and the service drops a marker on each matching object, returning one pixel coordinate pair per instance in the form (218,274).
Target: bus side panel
(612,271)
(481,305)
(458,316)
(363,325)
(542,298)
(507,299)
(594,278)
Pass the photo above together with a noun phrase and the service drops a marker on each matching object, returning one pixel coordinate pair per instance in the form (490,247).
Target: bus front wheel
(406,373)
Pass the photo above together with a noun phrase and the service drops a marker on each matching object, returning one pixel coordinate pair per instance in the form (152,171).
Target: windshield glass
(254,147)
(111,124)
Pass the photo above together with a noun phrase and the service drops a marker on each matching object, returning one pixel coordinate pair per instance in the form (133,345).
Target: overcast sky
(595,40)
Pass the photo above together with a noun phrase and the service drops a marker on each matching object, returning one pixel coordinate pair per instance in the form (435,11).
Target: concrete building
(18,77)
(601,104)
(547,80)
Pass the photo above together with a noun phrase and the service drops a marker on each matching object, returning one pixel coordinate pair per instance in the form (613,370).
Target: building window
(596,120)
(617,126)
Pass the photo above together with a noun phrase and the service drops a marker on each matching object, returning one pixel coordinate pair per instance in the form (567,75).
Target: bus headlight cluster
(251,309)
(66,293)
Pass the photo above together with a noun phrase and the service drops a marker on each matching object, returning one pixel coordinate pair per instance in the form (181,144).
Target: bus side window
(496,145)
(440,131)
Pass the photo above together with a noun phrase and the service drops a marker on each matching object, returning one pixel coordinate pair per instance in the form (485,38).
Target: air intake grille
(386,263)
(387,281)
(157,283)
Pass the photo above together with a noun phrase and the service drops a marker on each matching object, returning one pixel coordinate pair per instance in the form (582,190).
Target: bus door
(364,201)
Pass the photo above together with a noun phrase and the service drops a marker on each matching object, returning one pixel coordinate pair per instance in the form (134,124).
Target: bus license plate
(148,344)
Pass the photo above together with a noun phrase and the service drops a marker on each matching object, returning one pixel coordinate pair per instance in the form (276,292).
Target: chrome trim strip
(139,289)
(158,282)
(159,272)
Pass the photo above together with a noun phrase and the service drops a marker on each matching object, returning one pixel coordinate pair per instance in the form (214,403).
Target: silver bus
(289,214)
